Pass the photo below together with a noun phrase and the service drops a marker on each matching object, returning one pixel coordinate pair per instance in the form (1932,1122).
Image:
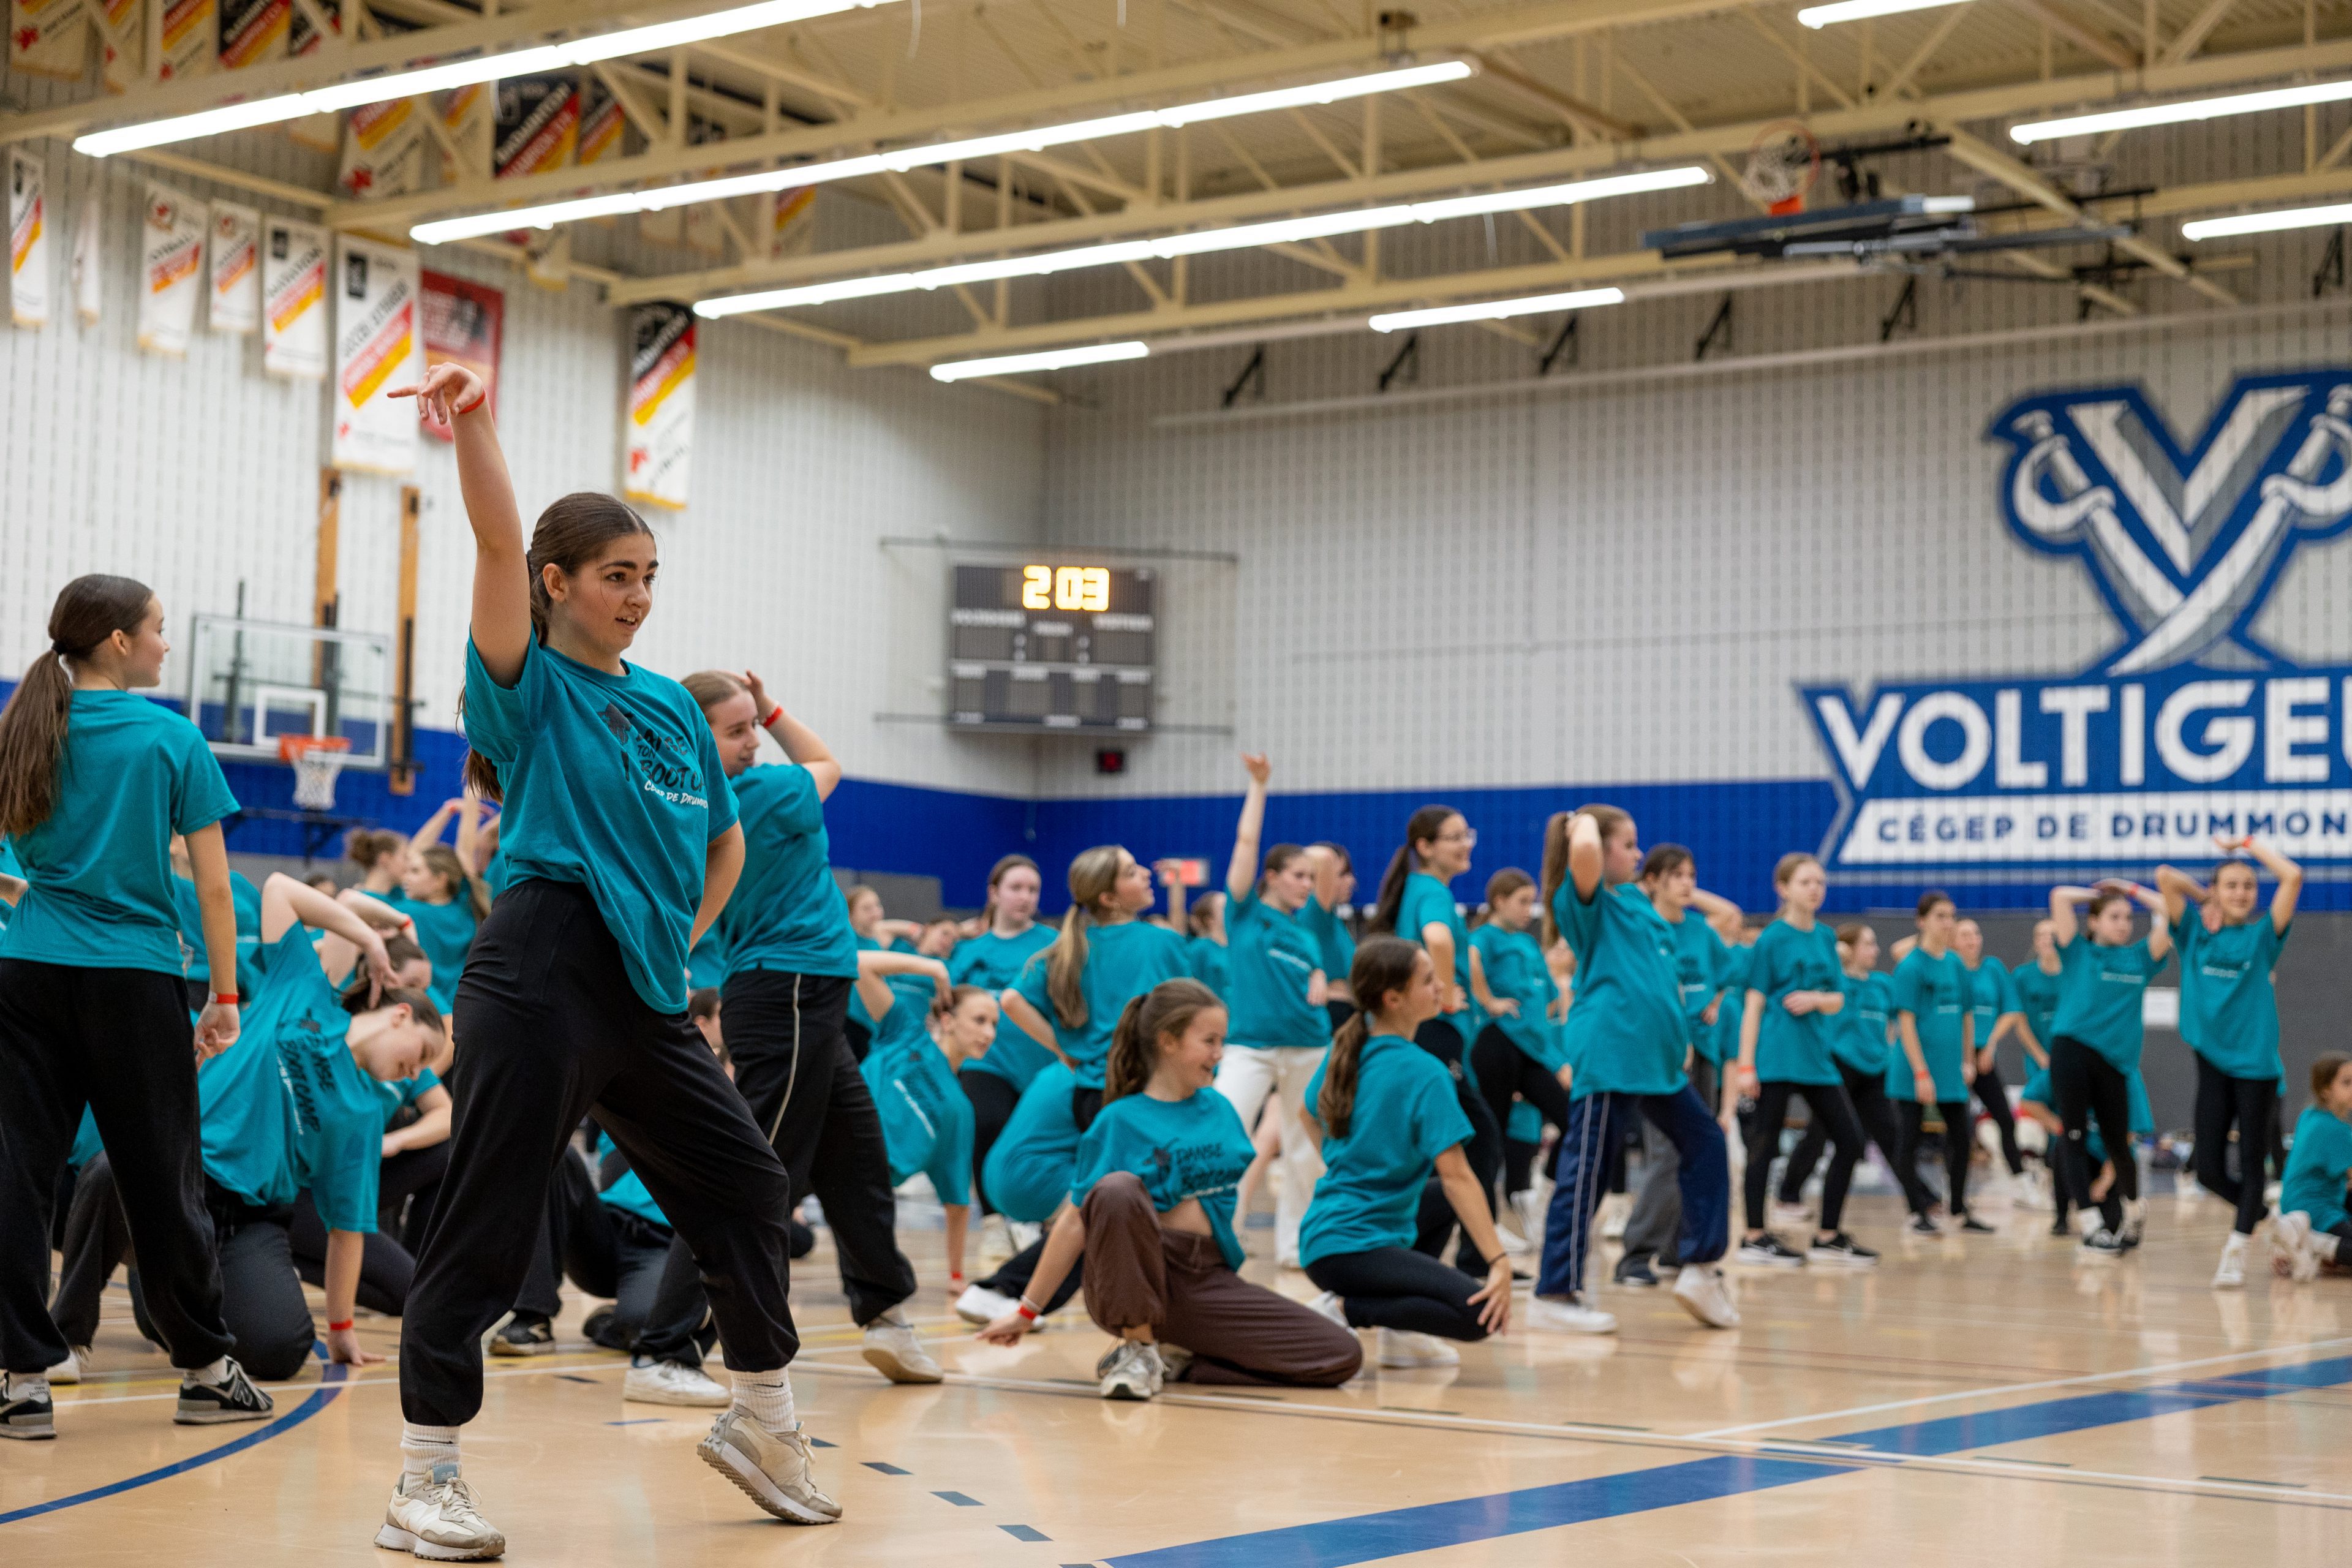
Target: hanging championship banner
(87,270)
(603,126)
(383,148)
(318,132)
(49,37)
(235,287)
(660,435)
(786,209)
(293,300)
(191,45)
(538,125)
(29,238)
(377,345)
(254,30)
(462,324)
(170,254)
(466,126)
(123,41)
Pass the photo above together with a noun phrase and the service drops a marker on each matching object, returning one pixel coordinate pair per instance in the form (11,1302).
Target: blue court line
(886,1469)
(330,1384)
(1023,1532)
(639,1421)
(958,1499)
(1367,1538)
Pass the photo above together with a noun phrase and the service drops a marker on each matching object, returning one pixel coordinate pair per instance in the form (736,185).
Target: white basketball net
(315,771)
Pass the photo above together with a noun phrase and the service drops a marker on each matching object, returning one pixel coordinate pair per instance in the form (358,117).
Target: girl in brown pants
(1152,1210)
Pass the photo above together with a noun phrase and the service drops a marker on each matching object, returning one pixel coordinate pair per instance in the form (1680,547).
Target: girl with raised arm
(921,1041)
(442,893)
(94,781)
(622,851)
(1276,994)
(2229,1016)
(1865,1028)
(2102,975)
(1938,1035)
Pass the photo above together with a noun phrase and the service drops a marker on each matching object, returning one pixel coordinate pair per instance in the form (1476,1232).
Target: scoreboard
(1052,647)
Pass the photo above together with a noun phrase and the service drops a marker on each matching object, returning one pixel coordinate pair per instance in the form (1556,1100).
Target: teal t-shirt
(2229,1011)
(339,1110)
(706,966)
(628,1191)
(2315,1167)
(1794,1048)
(857,1013)
(1123,962)
(787,914)
(612,783)
(2037,997)
(1188,1147)
(2099,991)
(1514,968)
(402,1092)
(1625,1033)
(1271,958)
(993,962)
(1992,992)
(927,1122)
(445,932)
(87,1144)
(1858,1035)
(1723,1040)
(1700,957)
(1210,963)
(1427,902)
(1028,1169)
(8,868)
(245,898)
(133,773)
(1335,945)
(1933,990)
(1405,1115)
(1525,1125)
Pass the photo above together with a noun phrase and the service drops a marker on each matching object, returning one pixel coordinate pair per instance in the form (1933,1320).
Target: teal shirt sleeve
(1434,1112)
(950,1164)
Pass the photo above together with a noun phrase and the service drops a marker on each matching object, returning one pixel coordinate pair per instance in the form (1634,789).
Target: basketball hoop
(317,759)
(1783,165)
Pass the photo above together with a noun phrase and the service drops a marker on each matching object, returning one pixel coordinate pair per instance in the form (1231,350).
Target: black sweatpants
(386,1270)
(1394,1288)
(118,1041)
(1830,1108)
(2086,1084)
(553,1027)
(993,1099)
(2252,1105)
(1437,1221)
(1503,1071)
(1868,1093)
(795,1070)
(1910,1128)
(1993,1095)
(405,1188)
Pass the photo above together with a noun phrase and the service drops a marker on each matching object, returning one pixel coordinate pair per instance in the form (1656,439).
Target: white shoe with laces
(68,1370)
(1132,1370)
(1615,1209)
(1568,1315)
(981,1305)
(433,1517)
(672,1382)
(1702,1290)
(1527,1209)
(2292,1254)
(893,1350)
(1404,1348)
(772,1468)
(2230,1273)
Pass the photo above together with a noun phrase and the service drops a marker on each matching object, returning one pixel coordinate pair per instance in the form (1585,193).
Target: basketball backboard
(251,683)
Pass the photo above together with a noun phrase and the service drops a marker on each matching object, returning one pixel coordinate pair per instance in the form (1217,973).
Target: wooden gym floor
(1978,1402)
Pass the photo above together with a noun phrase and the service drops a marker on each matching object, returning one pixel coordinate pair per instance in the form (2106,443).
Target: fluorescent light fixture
(1495,310)
(2175,114)
(1035,139)
(1241,237)
(2269,222)
(1861,10)
(1051,358)
(651,39)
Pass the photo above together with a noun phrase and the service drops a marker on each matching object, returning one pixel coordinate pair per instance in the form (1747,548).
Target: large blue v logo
(2185,546)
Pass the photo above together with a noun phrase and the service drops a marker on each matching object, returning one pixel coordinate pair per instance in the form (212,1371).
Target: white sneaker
(672,1382)
(1702,1290)
(1514,1244)
(1791,1214)
(893,1350)
(771,1469)
(1568,1315)
(434,1517)
(2230,1274)
(2290,1242)
(2032,1191)
(981,1305)
(1023,1234)
(1615,1209)
(1401,1348)
(1331,1306)
(70,1370)
(1132,1370)
(1528,1208)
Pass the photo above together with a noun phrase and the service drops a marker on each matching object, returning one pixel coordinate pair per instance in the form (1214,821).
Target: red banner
(463,325)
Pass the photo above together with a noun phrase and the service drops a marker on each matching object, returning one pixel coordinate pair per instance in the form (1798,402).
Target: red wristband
(773,714)
(227,1001)
(1028,1313)
(480,398)
(342,1328)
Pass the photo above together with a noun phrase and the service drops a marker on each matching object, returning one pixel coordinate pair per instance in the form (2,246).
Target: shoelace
(456,1501)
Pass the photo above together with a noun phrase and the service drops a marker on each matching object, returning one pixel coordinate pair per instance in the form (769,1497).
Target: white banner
(236,272)
(49,37)
(171,257)
(383,148)
(122,38)
(2122,829)
(294,299)
(29,238)
(88,265)
(191,38)
(378,344)
(661,404)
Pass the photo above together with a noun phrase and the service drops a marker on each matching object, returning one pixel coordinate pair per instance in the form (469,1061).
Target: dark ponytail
(1608,819)
(33,727)
(420,1005)
(1426,823)
(1168,1009)
(1384,964)
(568,534)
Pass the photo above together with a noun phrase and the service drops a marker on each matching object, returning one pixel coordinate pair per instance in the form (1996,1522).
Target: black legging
(1912,1121)
(1830,1107)
(2252,1104)
(1392,1287)
(993,1099)
(1867,1092)
(2086,1084)
(411,1180)
(386,1270)
(1504,1070)
(1993,1095)
(1438,1221)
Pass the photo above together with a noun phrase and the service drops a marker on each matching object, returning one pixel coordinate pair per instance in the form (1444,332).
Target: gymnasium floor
(1984,1401)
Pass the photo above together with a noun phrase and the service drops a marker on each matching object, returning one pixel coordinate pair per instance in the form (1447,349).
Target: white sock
(422,1448)
(2324,1245)
(767,1398)
(36,1384)
(212,1375)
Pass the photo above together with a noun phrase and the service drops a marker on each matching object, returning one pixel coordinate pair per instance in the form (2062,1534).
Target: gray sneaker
(434,1517)
(211,1405)
(772,1470)
(1131,1371)
(29,1417)
(893,1350)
